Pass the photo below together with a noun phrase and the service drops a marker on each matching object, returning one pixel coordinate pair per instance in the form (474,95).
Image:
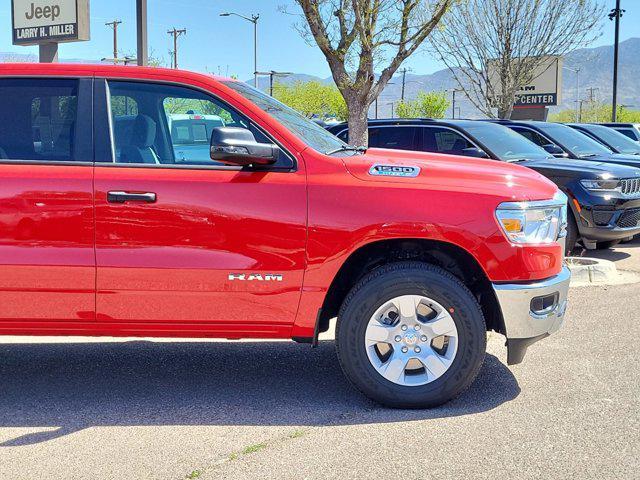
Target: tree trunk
(358,122)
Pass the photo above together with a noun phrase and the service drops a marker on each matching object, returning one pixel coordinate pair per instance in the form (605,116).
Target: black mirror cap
(238,146)
(474,152)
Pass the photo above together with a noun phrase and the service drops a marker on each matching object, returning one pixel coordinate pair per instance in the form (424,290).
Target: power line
(176,33)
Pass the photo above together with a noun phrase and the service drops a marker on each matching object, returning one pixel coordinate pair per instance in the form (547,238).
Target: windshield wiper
(347,148)
(589,155)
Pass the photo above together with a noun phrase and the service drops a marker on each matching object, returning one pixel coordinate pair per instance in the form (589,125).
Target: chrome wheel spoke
(406,307)
(378,333)
(434,363)
(393,369)
(443,324)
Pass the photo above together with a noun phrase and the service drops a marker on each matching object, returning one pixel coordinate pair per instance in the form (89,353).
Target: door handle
(123,197)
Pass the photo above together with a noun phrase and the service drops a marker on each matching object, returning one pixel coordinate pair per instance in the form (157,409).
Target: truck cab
(272,232)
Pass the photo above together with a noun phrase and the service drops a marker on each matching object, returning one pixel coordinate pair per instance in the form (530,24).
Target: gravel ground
(72,409)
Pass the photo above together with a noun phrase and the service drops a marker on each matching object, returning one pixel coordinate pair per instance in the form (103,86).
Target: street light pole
(253,19)
(577,72)
(141,27)
(615,14)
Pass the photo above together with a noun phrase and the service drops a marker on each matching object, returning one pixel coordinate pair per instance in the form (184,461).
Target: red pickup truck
(271,230)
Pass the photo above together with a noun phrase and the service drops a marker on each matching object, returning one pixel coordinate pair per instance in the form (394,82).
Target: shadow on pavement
(66,387)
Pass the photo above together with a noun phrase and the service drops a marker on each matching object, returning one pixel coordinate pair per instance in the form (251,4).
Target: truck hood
(451,173)
(583,169)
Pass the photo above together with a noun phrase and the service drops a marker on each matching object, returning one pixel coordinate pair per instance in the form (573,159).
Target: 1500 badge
(394,171)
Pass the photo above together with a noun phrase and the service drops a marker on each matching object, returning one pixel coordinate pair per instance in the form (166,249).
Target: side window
(39,119)
(445,140)
(169,125)
(629,132)
(399,138)
(533,136)
(344,136)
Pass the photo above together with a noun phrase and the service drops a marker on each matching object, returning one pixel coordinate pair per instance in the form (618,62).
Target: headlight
(534,222)
(602,185)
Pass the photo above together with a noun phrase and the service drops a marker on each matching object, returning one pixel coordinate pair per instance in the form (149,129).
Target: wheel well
(450,257)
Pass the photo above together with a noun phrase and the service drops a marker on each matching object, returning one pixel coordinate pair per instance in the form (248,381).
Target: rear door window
(39,119)
(533,136)
(397,137)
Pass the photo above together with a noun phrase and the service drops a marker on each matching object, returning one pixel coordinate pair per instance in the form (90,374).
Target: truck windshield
(506,144)
(617,140)
(309,132)
(577,143)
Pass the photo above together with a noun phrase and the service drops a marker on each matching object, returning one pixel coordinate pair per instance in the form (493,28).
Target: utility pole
(453,102)
(114,26)
(176,33)
(615,15)
(404,80)
(141,27)
(592,90)
(271,74)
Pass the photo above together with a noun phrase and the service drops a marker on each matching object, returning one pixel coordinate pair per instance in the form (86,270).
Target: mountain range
(595,67)
(595,79)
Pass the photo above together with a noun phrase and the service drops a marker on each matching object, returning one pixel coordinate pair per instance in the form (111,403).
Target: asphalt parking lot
(162,410)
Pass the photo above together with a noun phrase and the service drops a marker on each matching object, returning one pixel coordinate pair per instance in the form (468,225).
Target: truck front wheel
(410,335)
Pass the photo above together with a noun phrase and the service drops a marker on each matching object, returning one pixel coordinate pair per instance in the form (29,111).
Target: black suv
(631,130)
(604,198)
(610,138)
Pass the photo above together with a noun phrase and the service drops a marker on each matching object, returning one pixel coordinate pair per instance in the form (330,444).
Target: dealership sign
(543,90)
(50,21)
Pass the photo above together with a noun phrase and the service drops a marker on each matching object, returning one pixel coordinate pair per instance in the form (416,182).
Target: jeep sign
(50,21)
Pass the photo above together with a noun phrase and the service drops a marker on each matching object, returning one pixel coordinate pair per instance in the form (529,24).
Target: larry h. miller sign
(49,21)
(545,87)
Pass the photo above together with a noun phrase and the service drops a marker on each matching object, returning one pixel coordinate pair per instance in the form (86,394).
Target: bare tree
(494,47)
(359,36)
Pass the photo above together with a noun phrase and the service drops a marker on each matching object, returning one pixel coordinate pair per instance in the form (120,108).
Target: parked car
(631,130)
(610,138)
(604,198)
(416,254)
(190,135)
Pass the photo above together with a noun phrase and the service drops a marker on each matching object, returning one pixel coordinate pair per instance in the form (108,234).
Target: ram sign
(50,21)
(543,90)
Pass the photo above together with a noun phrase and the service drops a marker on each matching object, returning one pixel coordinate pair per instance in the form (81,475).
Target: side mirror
(554,150)
(474,152)
(238,146)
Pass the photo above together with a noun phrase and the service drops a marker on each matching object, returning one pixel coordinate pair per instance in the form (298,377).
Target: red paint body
(71,263)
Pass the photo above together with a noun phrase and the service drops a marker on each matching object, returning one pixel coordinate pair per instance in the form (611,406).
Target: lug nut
(416,327)
(398,338)
(417,349)
(405,349)
(404,328)
(423,338)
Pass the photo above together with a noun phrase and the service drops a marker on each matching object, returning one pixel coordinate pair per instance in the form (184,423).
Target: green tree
(596,112)
(425,105)
(361,37)
(312,99)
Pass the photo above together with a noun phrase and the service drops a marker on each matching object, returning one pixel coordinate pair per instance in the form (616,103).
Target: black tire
(572,234)
(606,245)
(410,278)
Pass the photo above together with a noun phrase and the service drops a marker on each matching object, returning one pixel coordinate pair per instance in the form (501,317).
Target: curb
(595,271)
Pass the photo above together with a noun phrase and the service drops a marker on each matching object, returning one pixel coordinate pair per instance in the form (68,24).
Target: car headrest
(3,154)
(144,131)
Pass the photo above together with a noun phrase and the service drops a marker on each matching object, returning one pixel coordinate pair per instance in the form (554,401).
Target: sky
(224,45)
